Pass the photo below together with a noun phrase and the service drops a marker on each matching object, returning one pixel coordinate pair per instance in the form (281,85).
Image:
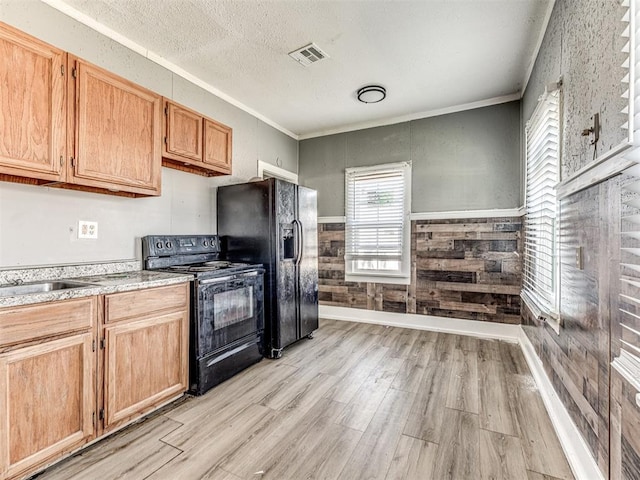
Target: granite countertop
(99,281)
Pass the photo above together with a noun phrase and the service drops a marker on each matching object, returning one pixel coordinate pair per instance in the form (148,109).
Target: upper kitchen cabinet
(70,124)
(195,143)
(32,108)
(183,133)
(217,146)
(115,133)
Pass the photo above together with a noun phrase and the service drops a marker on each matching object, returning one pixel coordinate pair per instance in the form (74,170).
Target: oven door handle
(299,241)
(239,277)
(216,280)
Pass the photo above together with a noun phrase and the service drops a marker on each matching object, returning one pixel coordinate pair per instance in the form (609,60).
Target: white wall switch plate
(87,229)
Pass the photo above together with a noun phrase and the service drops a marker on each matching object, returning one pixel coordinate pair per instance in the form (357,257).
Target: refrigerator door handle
(299,241)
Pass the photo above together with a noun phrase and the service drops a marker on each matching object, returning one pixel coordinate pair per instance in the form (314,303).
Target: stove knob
(169,245)
(205,243)
(159,245)
(213,242)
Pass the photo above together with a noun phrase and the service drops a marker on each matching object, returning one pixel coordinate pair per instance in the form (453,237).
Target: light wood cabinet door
(117,132)
(32,107)
(217,145)
(194,143)
(47,401)
(183,135)
(146,364)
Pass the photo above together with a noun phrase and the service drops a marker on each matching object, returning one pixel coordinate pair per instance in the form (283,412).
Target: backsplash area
(463,268)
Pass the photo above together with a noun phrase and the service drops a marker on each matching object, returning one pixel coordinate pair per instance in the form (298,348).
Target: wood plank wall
(462,268)
(577,360)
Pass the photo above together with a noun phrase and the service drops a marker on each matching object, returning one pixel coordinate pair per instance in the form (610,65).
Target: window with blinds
(377,204)
(540,226)
(628,360)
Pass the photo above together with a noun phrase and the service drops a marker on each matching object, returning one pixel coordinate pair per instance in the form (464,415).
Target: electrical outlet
(87,229)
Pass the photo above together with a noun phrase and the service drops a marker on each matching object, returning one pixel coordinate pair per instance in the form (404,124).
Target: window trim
(404,277)
(267,170)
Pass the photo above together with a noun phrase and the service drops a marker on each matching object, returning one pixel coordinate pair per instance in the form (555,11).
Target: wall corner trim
(489,213)
(578,455)
(602,168)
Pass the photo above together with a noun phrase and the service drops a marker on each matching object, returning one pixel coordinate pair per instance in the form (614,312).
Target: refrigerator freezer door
(285,329)
(308,261)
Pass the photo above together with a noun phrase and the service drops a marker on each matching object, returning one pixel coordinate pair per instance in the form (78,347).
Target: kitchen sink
(40,287)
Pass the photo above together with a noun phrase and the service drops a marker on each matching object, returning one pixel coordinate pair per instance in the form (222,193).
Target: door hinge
(74,72)
(101,414)
(103,343)
(62,70)
(93,345)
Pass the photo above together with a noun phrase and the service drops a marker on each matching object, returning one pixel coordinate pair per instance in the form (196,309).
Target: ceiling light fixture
(372,94)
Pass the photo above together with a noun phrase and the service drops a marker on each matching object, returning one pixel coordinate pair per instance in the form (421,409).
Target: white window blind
(540,227)
(627,335)
(377,220)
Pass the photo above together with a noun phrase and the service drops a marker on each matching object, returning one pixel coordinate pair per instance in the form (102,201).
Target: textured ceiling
(429,54)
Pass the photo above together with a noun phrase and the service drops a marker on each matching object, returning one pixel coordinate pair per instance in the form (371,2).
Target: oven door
(228,308)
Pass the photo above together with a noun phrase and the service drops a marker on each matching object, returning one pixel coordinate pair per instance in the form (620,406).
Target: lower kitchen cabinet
(47,389)
(146,335)
(67,378)
(145,364)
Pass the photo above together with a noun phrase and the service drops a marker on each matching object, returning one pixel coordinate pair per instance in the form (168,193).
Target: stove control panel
(170,245)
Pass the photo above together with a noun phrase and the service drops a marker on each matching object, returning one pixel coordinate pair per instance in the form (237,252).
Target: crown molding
(154,57)
(414,116)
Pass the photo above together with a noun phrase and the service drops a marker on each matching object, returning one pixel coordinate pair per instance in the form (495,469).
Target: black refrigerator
(274,222)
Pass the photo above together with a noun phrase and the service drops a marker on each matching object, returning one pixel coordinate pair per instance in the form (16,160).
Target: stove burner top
(207,266)
(198,255)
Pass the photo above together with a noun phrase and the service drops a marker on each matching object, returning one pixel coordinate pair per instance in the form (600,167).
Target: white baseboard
(423,322)
(578,455)
(575,448)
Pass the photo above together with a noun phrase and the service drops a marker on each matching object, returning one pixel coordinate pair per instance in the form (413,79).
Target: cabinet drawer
(22,324)
(139,303)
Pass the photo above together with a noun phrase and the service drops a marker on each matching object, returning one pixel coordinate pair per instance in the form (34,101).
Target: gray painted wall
(38,225)
(583,44)
(462,161)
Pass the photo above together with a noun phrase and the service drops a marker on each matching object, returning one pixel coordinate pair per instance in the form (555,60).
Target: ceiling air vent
(308,54)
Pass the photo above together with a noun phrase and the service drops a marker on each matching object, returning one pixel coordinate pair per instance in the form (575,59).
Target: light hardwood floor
(357,402)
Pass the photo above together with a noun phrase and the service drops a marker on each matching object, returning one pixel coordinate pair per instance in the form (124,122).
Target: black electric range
(227,305)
